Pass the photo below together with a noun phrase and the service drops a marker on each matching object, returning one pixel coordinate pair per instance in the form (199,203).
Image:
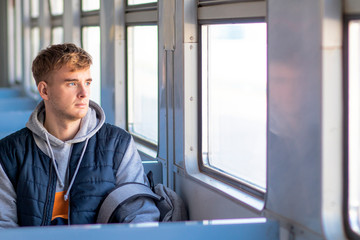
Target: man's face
(68,93)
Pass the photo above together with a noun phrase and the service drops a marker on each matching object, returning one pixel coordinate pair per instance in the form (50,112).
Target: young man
(59,169)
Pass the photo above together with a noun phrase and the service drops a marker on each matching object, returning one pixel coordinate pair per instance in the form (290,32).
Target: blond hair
(57,56)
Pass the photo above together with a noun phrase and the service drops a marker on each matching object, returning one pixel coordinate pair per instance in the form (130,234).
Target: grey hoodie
(130,170)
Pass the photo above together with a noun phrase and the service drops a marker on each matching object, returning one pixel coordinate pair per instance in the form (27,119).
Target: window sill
(224,188)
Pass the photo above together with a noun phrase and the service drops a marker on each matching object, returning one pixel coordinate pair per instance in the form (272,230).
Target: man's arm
(8,210)
(131,170)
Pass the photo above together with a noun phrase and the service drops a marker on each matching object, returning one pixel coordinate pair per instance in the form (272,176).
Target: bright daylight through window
(354,125)
(136,2)
(91,43)
(142,74)
(234,106)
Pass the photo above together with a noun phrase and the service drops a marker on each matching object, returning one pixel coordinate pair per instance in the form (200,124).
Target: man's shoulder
(113,137)
(111,131)
(18,136)
(18,142)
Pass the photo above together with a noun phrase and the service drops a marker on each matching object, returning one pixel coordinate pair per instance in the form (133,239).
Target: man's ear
(43,90)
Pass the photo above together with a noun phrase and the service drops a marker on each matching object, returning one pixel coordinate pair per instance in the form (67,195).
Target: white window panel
(142,74)
(234,100)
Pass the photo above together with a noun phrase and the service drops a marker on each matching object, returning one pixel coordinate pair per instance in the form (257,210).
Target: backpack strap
(120,195)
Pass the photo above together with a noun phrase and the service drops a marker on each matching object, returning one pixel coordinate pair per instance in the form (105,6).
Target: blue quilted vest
(34,178)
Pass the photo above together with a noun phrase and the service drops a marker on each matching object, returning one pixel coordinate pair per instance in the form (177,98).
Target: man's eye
(88,83)
(71,84)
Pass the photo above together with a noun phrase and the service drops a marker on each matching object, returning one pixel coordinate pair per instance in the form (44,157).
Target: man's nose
(84,90)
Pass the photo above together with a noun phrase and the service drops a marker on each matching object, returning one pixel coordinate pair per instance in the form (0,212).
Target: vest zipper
(47,202)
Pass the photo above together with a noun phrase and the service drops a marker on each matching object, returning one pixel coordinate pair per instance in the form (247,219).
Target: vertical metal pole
(166,50)
(26,47)
(45,24)
(71,21)
(11,41)
(107,59)
(18,41)
(120,63)
(3,44)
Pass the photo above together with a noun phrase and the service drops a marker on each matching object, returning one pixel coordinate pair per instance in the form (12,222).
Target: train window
(90,5)
(91,43)
(56,7)
(234,102)
(353,125)
(142,76)
(136,2)
(35,42)
(57,35)
(34,8)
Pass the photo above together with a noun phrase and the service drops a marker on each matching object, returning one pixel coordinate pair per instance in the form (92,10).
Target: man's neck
(63,130)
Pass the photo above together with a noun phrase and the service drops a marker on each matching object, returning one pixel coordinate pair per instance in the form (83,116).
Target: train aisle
(15,110)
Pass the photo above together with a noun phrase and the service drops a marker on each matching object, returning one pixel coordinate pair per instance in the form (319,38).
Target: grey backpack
(170,205)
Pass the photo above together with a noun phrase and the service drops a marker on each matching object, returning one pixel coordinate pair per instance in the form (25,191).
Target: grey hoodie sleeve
(131,170)
(8,210)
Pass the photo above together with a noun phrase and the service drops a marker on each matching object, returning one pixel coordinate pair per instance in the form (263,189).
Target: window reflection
(142,59)
(234,104)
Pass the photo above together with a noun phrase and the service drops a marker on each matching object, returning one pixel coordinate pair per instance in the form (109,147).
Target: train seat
(9,92)
(11,121)
(15,110)
(17,104)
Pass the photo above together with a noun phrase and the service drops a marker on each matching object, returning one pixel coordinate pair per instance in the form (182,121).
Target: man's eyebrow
(75,80)
(71,80)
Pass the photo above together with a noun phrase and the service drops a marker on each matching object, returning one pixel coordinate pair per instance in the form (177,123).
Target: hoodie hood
(60,151)
(90,124)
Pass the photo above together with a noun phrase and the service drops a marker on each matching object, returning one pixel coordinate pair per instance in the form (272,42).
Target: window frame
(221,2)
(140,15)
(203,166)
(141,6)
(194,13)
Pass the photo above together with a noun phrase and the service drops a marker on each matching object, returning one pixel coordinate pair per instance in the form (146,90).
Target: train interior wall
(304,93)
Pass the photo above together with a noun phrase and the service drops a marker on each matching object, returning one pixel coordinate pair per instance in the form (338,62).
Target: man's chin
(80,114)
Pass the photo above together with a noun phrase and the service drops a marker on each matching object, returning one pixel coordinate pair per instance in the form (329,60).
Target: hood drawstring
(66,196)
(53,161)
